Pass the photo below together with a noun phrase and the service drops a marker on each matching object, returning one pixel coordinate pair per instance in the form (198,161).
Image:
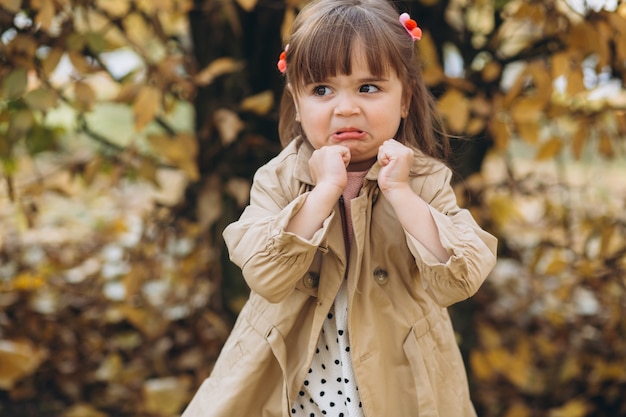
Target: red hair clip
(411,26)
(282,60)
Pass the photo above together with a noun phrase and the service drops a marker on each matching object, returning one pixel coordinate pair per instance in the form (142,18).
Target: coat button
(381,276)
(311,279)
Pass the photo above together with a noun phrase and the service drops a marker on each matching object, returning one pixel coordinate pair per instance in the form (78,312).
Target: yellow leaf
(605,146)
(79,62)
(260,103)
(575,82)
(85,96)
(491,71)
(188,164)
(583,38)
(475,126)
(148,170)
(518,410)
(481,368)
(560,64)
(433,72)
(289,17)
(27,281)
(45,15)
(520,369)
(557,265)
(95,41)
(41,99)
(21,122)
(573,408)
(504,211)
(534,12)
(499,359)
(542,81)
(620,118)
(110,368)
(546,346)
(528,131)
(550,149)
(152,7)
(570,369)
(83,410)
(455,109)
(489,336)
(6,147)
(14,84)
(18,359)
(89,19)
(604,371)
(500,133)
(127,92)
(149,322)
(247,5)
(50,63)
(579,140)
(515,89)
(12,6)
(180,150)
(479,18)
(75,41)
(165,396)
(605,37)
(114,8)
(527,110)
(607,234)
(482,107)
(137,29)
(146,106)
(216,68)
(228,124)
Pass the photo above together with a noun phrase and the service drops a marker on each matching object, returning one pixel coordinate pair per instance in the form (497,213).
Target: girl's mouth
(347,134)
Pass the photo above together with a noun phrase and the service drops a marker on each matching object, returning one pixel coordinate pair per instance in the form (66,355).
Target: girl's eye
(368,88)
(321,90)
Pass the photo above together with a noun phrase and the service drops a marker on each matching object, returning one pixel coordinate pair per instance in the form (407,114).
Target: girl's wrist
(398,193)
(330,190)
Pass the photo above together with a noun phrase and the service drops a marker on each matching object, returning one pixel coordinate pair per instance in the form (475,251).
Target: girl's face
(359,111)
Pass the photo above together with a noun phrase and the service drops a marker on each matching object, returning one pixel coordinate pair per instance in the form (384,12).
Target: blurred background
(129,134)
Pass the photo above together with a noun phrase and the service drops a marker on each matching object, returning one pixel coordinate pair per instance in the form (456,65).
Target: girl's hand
(396,160)
(328,166)
(328,170)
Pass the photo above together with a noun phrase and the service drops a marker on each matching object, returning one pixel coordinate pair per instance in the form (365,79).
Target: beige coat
(404,353)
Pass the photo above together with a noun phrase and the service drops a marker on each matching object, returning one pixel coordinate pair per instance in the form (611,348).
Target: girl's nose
(346,105)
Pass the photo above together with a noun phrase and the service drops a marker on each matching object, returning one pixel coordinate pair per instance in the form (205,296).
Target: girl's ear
(405,110)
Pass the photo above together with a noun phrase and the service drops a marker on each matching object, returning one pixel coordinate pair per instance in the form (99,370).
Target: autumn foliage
(129,132)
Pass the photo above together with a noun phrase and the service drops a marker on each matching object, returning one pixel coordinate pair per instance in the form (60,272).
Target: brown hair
(323,35)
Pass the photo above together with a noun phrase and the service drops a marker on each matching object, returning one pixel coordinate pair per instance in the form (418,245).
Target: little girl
(353,244)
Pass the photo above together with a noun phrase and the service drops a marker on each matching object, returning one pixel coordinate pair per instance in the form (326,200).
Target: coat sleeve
(271,259)
(472,250)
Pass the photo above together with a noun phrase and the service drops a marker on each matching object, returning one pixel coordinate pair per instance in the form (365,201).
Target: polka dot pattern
(330,388)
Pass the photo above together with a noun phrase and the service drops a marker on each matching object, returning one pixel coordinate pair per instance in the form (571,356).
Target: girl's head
(324,37)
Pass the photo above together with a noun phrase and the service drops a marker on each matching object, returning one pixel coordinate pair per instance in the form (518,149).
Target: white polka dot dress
(330,388)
